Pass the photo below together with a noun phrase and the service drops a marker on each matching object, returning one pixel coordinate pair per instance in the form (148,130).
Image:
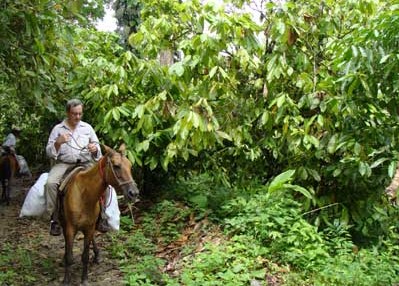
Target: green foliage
(228,263)
(19,265)
(127,13)
(368,267)
(311,88)
(37,55)
(165,221)
(275,220)
(136,247)
(136,244)
(136,254)
(203,192)
(246,107)
(234,103)
(271,220)
(144,271)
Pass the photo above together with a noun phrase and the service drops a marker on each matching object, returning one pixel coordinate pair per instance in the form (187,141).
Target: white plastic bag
(23,166)
(112,209)
(35,201)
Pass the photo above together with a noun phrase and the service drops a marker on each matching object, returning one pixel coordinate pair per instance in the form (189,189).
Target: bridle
(104,176)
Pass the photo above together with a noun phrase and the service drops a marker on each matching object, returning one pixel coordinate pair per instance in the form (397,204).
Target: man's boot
(55,228)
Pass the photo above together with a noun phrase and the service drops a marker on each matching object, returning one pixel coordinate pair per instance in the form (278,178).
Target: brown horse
(80,207)
(8,169)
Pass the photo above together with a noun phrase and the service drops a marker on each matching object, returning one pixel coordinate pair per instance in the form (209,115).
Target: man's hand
(62,138)
(92,148)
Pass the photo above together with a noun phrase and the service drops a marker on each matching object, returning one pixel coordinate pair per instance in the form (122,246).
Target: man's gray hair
(73,103)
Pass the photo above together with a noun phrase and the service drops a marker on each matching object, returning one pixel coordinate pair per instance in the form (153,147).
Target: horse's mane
(91,168)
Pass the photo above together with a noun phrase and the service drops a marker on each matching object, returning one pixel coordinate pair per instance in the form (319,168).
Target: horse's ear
(105,149)
(122,149)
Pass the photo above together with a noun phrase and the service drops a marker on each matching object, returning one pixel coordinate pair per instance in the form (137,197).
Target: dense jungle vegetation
(277,123)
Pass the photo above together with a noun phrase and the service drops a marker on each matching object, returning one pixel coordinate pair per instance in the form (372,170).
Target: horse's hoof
(62,263)
(84,283)
(97,260)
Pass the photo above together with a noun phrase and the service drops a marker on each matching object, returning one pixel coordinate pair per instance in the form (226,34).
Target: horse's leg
(96,250)
(10,187)
(7,191)
(88,238)
(69,235)
(3,193)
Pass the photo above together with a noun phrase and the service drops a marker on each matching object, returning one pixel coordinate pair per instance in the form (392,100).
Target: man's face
(75,115)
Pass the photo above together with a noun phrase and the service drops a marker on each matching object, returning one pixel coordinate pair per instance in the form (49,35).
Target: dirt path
(29,235)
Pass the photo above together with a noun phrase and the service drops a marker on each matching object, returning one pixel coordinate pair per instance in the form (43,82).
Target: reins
(103,173)
(101,170)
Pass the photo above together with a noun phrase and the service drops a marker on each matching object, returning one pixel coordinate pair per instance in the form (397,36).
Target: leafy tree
(249,100)
(36,56)
(127,13)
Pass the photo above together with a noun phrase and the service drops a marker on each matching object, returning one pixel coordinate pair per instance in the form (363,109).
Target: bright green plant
(144,270)
(165,221)
(21,265)
(136,253)
(367,267)
(275,219)
(136,246)
(205,193)
(228,263)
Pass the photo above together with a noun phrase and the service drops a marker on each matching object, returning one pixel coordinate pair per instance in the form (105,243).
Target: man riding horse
(9,166)
(71,142)
(10,142)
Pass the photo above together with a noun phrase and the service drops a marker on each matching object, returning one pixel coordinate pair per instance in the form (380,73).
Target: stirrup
(55,228)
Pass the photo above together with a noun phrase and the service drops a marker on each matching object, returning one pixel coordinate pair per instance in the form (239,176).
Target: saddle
(69,174)
(67,177)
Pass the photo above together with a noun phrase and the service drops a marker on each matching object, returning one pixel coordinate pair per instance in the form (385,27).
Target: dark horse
(80,207)
(8,169)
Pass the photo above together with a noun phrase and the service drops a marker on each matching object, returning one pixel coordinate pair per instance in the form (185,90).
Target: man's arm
(10,141)
(52,147)
(94,145)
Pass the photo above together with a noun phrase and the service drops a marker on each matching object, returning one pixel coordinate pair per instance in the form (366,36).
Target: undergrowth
(265,240)
(20,265)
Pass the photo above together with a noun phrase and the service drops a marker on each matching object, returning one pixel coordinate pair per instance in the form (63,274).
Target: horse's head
(119,172)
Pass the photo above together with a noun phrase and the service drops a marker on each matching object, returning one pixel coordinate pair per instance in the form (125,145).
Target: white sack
(35,201)
(112,209)
(23,166)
